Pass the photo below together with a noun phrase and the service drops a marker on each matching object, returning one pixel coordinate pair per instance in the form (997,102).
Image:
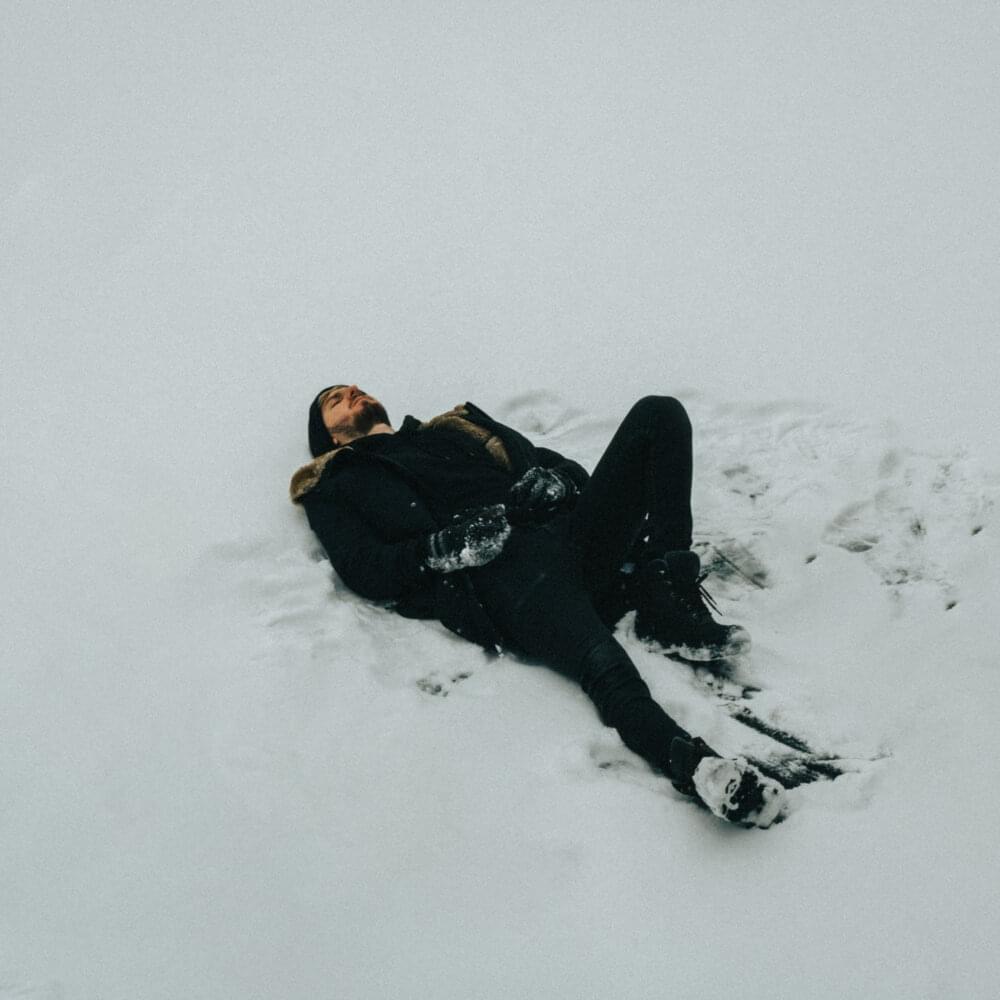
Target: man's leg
(624,702)
(637,507)
(536,597)
(640,491)
(537,600)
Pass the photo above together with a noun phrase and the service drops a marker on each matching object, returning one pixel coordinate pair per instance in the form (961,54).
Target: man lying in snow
(463,519)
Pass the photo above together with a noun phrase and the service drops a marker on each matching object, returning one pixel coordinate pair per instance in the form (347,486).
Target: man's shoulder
(307,477)
(317,477)
(476,414)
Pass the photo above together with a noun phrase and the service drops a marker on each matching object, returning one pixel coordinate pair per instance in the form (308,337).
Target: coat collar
(308,476)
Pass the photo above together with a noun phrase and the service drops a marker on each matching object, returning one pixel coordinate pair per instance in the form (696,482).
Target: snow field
(223,776)
(490,788)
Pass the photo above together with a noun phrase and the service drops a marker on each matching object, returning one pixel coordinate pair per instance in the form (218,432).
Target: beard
(369,414)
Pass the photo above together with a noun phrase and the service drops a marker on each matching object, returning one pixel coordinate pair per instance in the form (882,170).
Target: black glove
(474,541)
(539,494)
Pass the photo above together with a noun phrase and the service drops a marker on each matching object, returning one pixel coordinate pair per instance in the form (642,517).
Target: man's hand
(475,541)
(540,494)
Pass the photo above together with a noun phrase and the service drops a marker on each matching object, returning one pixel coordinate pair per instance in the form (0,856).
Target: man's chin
(369,413)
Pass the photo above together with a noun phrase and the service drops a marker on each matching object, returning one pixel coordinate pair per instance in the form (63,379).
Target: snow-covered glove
(539,494)
(474,541)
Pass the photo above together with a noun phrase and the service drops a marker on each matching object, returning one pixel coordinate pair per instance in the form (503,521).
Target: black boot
(671,610)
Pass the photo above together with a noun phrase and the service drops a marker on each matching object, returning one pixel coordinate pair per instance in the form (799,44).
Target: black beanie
(320,441)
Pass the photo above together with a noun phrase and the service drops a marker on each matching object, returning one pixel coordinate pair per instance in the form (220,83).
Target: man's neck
(377,429)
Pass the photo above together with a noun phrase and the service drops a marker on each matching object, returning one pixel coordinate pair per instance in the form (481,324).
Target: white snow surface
(223,775)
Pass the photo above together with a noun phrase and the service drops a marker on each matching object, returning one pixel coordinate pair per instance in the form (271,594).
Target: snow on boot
(671,611)
(736,791)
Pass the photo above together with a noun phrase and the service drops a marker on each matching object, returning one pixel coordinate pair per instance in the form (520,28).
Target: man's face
(349,412)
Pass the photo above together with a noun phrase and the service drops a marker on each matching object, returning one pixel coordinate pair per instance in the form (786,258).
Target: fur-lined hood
(308,476)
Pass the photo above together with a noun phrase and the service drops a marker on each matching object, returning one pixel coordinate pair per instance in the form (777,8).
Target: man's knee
(662,412)
(611,680)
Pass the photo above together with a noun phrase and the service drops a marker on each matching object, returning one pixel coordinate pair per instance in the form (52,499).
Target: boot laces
(697,597)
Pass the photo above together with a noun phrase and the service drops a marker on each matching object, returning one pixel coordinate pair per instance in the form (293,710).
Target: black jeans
(554,590)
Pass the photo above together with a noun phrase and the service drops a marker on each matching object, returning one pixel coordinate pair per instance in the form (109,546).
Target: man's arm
(369,565)
(549,459)
(550,485)
(382,570)
(523,452)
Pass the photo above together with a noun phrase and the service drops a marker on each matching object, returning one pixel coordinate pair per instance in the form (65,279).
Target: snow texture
(222,774)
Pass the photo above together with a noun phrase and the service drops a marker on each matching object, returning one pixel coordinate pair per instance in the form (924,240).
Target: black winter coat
(369,513)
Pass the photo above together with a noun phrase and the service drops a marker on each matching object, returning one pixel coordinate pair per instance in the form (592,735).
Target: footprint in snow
(538,412)
(441,684)
(925,510)
(743,481)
